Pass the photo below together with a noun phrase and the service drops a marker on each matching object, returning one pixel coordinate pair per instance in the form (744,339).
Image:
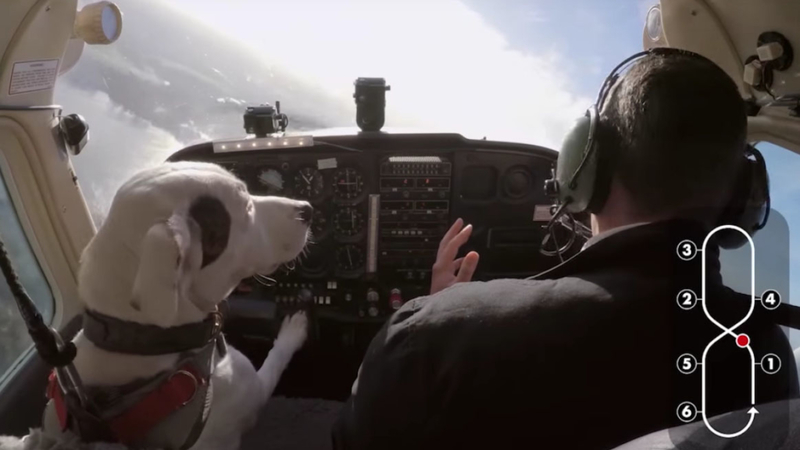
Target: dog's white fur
(144,265)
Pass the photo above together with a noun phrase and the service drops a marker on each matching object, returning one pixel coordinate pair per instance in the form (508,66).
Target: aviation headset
(584,170)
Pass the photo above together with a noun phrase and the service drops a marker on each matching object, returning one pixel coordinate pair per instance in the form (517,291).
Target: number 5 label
(687,363)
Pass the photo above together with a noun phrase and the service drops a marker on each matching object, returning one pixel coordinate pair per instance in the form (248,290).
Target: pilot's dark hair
(678,126)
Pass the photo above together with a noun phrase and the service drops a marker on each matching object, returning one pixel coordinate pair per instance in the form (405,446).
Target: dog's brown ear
(214,221)
(164,255)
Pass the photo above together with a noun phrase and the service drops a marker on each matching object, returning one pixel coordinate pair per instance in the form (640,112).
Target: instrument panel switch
(373,311)
(395,299)
(373,296)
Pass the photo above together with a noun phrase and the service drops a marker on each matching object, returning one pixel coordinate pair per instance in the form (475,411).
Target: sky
(519,70)
(506,69)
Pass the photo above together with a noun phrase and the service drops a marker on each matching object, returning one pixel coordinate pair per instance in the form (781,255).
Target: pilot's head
(676,125)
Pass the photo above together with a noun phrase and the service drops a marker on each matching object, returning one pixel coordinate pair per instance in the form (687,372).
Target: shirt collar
(599,237)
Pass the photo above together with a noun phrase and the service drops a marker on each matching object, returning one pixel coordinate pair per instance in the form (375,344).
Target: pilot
(583,356)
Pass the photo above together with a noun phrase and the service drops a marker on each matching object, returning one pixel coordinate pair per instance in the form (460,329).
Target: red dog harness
(130,426)
(168,410)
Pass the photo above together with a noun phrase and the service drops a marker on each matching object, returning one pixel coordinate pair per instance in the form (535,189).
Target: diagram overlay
(687,363)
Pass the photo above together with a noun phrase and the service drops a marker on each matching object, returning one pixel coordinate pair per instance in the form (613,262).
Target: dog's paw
(294,331)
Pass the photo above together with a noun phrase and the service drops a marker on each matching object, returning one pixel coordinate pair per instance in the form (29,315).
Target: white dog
(177,240)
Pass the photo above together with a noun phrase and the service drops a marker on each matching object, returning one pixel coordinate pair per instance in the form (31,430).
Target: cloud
(120,145)
(114,60)
(449,69)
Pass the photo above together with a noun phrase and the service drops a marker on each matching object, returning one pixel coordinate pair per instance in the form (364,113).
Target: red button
(395,299)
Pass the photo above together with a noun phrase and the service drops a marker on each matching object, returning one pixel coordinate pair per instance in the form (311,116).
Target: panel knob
(304,296)
(373,296)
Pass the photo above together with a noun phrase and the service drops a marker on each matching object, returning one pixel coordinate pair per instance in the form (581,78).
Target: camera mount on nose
(370,98)
(265,120)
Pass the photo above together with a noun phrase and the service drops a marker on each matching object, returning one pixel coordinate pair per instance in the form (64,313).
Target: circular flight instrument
(313,264)
(348,222)
(319,224)
(349,258)
(309,183)
(271,181)
(348,183)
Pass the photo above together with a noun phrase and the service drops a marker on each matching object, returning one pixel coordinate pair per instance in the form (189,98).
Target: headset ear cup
(748,208)
(606,152)
(577,191)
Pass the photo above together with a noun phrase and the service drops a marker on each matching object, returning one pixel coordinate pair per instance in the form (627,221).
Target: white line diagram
(687,363)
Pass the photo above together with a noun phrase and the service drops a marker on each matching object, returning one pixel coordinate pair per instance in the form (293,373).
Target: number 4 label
(770,299)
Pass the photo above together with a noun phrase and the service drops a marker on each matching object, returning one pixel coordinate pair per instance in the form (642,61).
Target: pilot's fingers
(457,264)
(451,249)
(451,233)
(468,266)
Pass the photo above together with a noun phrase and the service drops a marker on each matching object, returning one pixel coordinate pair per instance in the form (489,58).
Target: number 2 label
(687,299)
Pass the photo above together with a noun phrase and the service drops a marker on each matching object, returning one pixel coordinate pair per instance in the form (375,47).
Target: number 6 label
(687,412)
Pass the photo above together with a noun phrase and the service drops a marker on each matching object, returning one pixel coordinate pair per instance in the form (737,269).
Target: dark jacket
(584,356)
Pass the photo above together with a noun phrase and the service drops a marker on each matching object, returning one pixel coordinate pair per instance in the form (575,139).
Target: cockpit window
(14,339)
(777,246)
(184,70)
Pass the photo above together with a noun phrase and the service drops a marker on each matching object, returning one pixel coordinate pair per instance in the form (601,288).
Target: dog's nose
(306,213)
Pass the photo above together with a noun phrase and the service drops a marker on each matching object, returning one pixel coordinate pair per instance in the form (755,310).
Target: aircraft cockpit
(377,130)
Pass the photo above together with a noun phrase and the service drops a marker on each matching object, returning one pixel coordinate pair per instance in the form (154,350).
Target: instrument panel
(382,203)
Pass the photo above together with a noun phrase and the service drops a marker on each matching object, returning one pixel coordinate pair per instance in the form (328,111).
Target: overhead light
(653,23)
(653,35)
(98,23)
(262,143)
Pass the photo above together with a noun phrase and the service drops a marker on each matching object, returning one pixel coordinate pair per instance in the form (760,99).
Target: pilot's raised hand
(447,270)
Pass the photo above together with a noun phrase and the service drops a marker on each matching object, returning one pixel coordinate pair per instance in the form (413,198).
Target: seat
(776,427)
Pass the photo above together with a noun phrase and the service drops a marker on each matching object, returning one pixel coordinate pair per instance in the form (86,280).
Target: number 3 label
(687,250)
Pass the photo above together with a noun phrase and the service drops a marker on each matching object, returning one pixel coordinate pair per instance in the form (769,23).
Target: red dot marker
(742,340)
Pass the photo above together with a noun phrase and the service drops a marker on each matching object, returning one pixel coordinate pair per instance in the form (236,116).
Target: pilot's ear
(165,256)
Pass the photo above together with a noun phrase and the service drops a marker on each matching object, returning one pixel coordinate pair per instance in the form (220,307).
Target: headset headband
(570,177)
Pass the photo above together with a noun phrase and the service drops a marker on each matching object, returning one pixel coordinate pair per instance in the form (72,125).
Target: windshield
(183,71)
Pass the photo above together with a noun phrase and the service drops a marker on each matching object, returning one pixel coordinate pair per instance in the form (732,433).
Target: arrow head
(752,410)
